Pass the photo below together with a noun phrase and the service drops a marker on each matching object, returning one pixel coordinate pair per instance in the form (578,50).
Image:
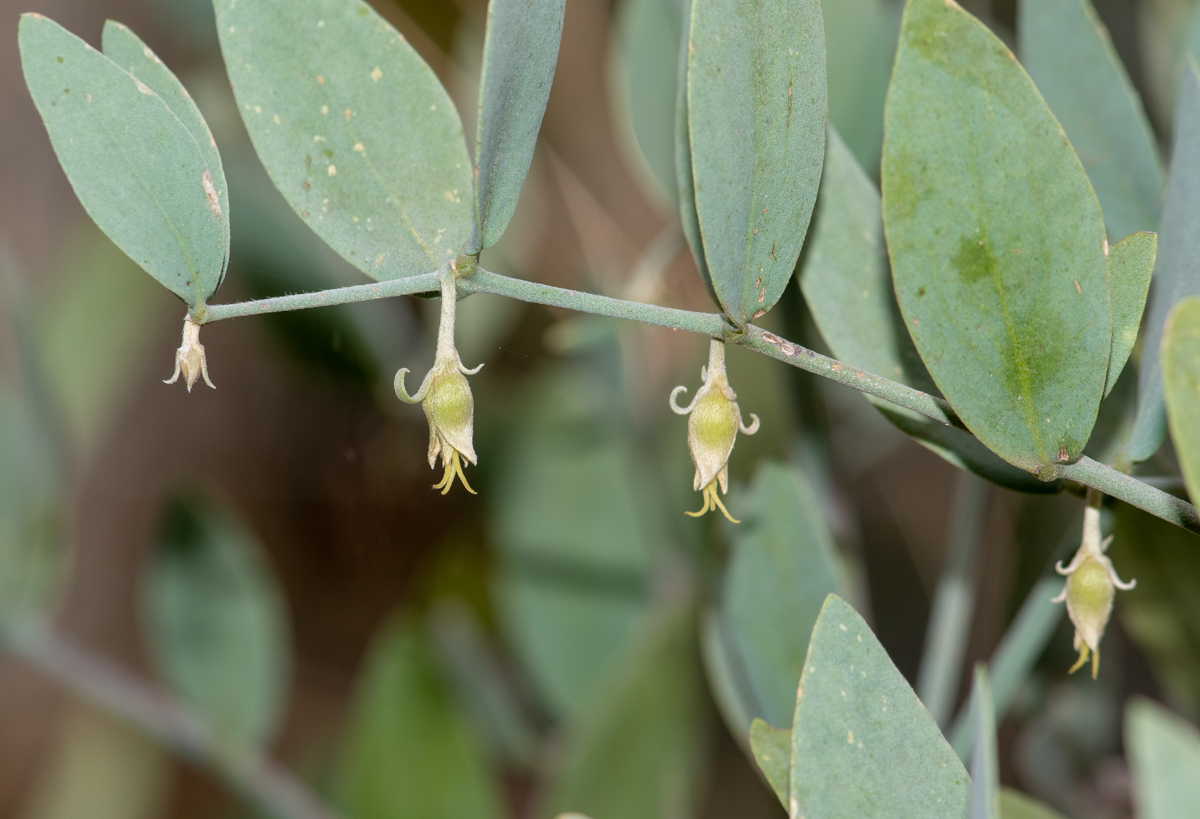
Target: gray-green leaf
(1130,263)
(756,120)
(1176,269)
(848,287)
(649,33)
(772,749)
(996,241)
(782,568)
(985,766)
(408,754)
(520,51)
(127,50)
(861,740)
(686,186)
(1181,384)
(354,129)
(636,751)
(1068,53)
(1164,755)
(139,172)
(216,621)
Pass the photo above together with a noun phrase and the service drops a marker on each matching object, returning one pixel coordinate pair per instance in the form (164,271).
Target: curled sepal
(713,424)
(1091,586)
(446,398)
(189,358)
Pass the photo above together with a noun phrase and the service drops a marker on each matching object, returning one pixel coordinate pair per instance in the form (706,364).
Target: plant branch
(714,325)
(246,770)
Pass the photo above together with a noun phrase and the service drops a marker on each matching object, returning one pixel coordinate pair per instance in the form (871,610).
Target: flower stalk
(1091,586)
(714,421)
(446,397)
(190,360)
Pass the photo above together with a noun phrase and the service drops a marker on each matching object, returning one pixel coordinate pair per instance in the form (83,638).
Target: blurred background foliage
(272,553)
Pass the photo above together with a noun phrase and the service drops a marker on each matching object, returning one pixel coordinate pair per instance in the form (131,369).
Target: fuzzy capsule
(1089,591)
(446,398)
(189,358)
(714,421)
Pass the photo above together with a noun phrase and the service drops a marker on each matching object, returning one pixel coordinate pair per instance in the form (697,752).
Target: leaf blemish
(214,204)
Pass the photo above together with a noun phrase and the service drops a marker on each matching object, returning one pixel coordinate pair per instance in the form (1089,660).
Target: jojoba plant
(986,297)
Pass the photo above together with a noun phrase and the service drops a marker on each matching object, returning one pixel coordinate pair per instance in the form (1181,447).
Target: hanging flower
(1091,586)
(189,358)
(713,423)
(446,398)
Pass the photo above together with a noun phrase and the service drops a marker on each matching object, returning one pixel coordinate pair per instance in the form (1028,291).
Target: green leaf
(985,766)
(354,128)
(848,287)
(216,621)
(520,51)
(756,120)
(773,752)
(125,49)
(407,754)
(1181,384)
(996,241)
(31,561)
(648,35)
(725,674)
(573,541)
(136,168)
(1067,51)
(637,750)
(1162,613)
(782,568)
(861,739)
(1130,263)
(1164,755)
(860,42)
(1016,805)
(1176,268)
(688,217)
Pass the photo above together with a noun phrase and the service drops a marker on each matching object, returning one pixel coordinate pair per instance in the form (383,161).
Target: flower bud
(1091,586)
(189,358)
(446,398)
(713,423)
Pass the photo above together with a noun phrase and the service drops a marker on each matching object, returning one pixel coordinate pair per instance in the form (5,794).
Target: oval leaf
(783,566)
(756,120)
(407,753)
(1068,53)
(996,241)
(861,738)
(354,128)
(1181,383)
(1176,268)
(686,188)
(649,32)
(520,51)
(127,50)
(1130,263)
(848,287)
(772,749)
(216,620)
(139,172)
(1164,755)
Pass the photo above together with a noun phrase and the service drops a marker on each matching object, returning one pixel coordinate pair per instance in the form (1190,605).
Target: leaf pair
(135,149)
(750,141)
(999,258)
(363,141)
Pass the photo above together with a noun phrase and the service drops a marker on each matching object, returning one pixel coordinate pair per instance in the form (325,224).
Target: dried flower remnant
(446,398)
(713,423)
(1091,585)
(189,358)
